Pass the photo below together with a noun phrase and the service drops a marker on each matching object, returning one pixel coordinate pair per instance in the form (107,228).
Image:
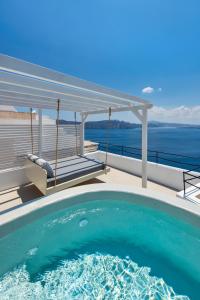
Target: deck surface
(14,197)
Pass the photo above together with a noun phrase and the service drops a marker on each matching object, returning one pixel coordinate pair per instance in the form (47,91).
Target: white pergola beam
(144,148)
(137,113)
(36,99)
(39,104)
(6,93)
(62,90)
(24,68)
(29,85)
(40,133)
(118,109)
(30,90)
(82,131)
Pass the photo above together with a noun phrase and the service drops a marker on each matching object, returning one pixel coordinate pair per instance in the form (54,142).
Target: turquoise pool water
(102,249)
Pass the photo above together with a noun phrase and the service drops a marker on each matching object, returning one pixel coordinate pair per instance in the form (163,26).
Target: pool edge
(39,203)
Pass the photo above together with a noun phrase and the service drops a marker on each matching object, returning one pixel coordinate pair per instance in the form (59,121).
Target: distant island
(116,124)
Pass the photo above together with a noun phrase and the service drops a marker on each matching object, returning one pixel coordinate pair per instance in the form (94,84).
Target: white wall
(166,175)
(15,142)
(12,177)
(8,121)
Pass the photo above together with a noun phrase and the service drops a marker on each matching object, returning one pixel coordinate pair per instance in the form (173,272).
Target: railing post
(144,148)
(184,183)
(40,133)
(82,135)
(157,157)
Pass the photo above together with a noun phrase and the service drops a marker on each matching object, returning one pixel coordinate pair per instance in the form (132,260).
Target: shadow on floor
(91,181)
(28,192)
(17,196)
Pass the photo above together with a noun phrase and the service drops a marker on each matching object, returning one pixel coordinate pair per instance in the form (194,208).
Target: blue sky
(125,44)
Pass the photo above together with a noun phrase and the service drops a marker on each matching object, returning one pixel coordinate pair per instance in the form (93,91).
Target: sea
(174,146)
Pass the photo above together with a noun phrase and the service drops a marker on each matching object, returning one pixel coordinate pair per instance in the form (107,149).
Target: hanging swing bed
(56,175)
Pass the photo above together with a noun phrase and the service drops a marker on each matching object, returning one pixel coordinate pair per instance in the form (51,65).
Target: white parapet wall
(163,174)
(12,177)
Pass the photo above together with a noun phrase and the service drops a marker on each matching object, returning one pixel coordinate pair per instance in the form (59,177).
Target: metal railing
(191,178)
(171,159)
(160,157)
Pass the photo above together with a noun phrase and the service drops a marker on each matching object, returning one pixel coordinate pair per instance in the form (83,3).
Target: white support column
(144,148)
(40,133)
(82,132)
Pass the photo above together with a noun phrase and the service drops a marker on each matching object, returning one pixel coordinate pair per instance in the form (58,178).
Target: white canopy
(25,84)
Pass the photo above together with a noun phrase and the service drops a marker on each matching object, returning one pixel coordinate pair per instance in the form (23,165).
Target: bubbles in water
(32,251)
(71,216)
(67,218)
(94,276)
(83,222)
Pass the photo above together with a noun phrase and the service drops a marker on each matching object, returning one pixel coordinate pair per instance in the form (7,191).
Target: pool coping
(27,208)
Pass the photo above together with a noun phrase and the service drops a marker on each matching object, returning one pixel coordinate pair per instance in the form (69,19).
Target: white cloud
(148,90)
(180,114)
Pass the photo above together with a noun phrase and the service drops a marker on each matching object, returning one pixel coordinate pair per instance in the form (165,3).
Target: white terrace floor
(19,195)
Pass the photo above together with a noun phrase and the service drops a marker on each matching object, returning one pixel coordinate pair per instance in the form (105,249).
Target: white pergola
(28,85)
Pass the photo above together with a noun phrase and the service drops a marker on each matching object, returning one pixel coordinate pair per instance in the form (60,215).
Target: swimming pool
(101,245)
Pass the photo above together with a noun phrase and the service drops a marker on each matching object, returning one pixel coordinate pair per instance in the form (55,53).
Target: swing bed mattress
(70,171)
(73,167)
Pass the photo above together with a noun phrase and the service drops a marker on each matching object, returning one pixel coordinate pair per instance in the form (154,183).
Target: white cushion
(46,166)
(32,157)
